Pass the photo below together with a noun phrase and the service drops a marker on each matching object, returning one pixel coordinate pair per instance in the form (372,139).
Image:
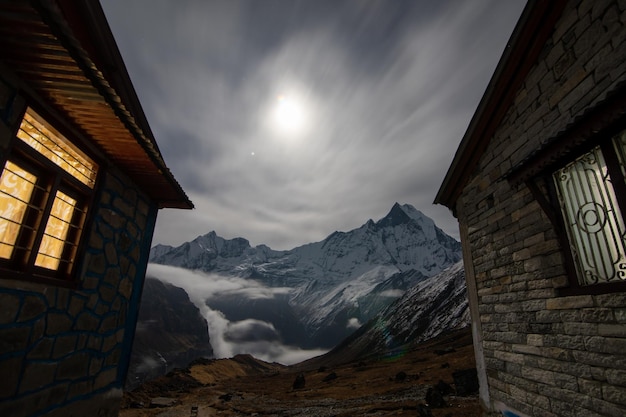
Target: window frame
(598,125)
(604,142)
(51,178)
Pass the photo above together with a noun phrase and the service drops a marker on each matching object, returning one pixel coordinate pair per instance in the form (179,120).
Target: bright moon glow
(289,115)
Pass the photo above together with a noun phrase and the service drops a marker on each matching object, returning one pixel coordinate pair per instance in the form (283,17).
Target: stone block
(58,323)
(605,408)
(538,375)
(573,328)
(90,283)
(609,345)
(10,369)
(124,265)
(105,404)
(619,314)
(589,387)
(107,293)
(112,276)
(612,300)
(94,342)
(108,324)
(14,339)
(122,206)
(63,297)
(95,366)
(124,242)
(111,253)
(37,375)
(533,264)
(614,394)
(109,343)
(509,357)
(96,241)
(562,303)
(534,339)
(596,315)
(618,330)
(565,381)
(32,307)
(600,360)
(105,378)
(574,78)
(73,367)
(616,377)
(126,288)
(547,316)
(10,307)
(80,388)
(96,263)
(42,349)
(87,321)
(77,304)
(112,221)
(533,305)
(64,345)
(113,358)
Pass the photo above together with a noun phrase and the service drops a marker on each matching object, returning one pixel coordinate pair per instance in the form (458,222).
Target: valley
(381,385)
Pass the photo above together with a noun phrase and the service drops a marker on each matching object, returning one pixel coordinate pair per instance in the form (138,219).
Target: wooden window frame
(51,178)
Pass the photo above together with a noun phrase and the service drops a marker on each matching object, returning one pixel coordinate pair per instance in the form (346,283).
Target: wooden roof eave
(526,42)
(120,98)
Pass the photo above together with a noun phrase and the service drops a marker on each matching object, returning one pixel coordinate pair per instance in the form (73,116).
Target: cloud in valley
(229,338)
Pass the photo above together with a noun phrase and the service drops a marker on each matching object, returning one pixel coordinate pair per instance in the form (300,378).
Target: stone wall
(544,354)
(64,351)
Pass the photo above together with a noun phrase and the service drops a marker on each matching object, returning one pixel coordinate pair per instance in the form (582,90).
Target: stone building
(81,184)
(538,187)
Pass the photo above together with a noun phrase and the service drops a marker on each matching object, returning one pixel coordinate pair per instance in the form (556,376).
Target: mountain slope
(170,332)
(432,307)
(334,285)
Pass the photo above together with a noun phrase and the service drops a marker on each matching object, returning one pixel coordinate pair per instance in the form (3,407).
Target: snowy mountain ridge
(338,283)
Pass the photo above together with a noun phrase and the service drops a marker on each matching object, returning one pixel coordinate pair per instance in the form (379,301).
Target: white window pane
(594,223)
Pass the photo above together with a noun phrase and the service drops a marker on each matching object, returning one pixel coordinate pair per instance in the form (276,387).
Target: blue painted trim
(133,305)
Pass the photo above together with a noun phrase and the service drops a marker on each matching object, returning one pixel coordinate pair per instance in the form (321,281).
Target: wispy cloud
(389,88)
(229,338)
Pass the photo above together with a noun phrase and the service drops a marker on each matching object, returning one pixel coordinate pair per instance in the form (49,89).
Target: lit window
(44,189)
(590,196)
(16,186)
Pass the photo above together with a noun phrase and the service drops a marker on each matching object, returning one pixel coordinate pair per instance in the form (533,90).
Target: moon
(289,115)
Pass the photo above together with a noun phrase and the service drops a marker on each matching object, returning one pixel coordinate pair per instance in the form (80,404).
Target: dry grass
(245,386)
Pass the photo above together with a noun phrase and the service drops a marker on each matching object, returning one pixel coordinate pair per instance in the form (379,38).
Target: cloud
(353,323)
(251,330)
(392,293)
(229,338)
(390,88)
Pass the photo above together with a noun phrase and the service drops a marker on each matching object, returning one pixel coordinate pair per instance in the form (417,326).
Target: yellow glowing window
(56,148)
(57,227)
(16,188)
(45,188)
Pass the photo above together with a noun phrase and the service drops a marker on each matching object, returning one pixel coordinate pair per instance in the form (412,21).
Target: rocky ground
(396,385)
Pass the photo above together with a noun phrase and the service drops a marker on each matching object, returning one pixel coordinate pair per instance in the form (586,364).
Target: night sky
(287,120)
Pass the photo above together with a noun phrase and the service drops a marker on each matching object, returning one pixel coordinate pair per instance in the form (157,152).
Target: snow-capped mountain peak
(347,276)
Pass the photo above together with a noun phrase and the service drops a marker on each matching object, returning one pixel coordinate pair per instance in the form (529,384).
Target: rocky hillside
(434,306)
(430,379)
(170,333)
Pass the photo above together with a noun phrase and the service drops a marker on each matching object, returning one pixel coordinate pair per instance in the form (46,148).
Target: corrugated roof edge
(128,110)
